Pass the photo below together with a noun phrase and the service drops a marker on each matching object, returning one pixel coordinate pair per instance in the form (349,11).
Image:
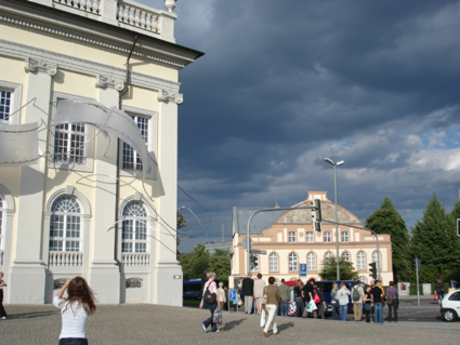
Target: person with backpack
(357,298)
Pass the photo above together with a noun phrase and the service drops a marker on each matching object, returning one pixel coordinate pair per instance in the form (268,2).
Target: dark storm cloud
(285,84)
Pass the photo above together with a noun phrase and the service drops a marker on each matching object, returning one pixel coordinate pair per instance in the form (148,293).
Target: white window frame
(328,256)
(361,259)
(293,262)
(273,262)
(374,259)
(142,221)
(88,147)
(310,237)
(311,262)
(345,237)
(347,254)
(152,141)
(16,99)
(64,238)
(327,237)
(292,237)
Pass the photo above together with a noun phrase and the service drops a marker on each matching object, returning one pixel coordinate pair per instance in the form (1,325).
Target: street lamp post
(335,165)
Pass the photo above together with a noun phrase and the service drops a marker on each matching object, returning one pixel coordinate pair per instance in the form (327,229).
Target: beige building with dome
(290,240)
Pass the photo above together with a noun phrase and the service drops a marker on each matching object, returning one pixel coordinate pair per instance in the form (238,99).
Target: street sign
(244,243)
(259,252)
(232,295)
(303,270)
(417,263)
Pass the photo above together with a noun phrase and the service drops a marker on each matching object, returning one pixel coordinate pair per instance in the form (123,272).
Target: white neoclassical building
(85,203)
(290,240)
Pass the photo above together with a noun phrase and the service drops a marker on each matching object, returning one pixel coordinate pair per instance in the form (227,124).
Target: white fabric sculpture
(19,143)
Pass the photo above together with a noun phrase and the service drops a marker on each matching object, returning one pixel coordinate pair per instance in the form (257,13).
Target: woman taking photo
(212,288)
(273,299)
(75,310)
(343,294)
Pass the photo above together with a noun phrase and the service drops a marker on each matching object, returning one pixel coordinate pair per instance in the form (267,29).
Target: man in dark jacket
(248,292)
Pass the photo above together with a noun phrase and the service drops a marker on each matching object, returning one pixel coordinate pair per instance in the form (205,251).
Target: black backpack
(356,295)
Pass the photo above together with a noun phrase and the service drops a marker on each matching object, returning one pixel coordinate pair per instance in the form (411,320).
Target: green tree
(181,226)
(387,220)
(434,238)
(220,264)
(329,270)
(194,263)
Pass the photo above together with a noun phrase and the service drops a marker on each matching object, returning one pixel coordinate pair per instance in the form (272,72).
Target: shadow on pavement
(232,324)
(284,326)
(32,315)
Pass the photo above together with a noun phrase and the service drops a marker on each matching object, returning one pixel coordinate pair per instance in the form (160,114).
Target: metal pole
(336,221)
(418,286)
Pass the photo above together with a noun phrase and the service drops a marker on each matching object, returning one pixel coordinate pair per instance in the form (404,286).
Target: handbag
(311,306)
(263,318)
(265,299)
(217,316)
(209,297)
(316,300)
(367,306)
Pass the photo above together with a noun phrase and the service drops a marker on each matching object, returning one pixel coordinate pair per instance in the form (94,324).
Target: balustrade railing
(89,6)
(137,16)
(66,259)
(135,259)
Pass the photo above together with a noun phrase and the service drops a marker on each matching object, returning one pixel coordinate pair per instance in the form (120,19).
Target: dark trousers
(212,308)
(368,315)
(393,307)
(2,310)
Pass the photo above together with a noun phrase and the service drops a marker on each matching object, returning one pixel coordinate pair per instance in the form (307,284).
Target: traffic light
(373,270)
(316,215)
(254,261)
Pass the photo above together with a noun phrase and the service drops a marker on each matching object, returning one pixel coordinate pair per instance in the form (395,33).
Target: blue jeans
(285,308)
(73,341)
(378,313)
(206,323)
(300,306)
(343,312)
(335,311)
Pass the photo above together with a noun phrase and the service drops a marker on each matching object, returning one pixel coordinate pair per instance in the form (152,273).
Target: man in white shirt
(259,286)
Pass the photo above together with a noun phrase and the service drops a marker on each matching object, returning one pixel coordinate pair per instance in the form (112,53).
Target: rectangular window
(5,104)
(345,236)
(310,237)
(131,160)
(273,263)
(327,237)
(69,143)
(291,237)
(293,262)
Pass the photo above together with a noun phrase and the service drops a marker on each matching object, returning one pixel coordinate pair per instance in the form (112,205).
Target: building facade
(290,240)
(86,205)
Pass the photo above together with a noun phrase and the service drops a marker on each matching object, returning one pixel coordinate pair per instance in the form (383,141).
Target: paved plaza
(153,324)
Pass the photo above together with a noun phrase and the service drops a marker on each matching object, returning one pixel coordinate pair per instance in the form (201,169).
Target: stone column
(167,274)
(103,270)
(27,267)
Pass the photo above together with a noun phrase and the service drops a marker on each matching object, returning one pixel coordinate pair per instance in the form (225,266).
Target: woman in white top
(75,310)
(211,286)
(342,295)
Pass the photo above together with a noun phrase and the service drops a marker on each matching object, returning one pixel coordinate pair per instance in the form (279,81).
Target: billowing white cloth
(18,143)
(112,121)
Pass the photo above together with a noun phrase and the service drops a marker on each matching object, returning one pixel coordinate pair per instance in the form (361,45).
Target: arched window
(291,237)
(134,230)
(273,262)
(310,237)
(328,256)
(293,262)
(361,261)
(311,261)
(346,256)
(375,258)
(65,225)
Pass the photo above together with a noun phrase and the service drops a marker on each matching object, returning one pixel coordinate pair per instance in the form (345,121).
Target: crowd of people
(304,300)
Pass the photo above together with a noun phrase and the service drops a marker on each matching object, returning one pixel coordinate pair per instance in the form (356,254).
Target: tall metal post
(336,222)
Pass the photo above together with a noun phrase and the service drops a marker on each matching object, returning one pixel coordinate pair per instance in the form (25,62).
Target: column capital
(105,82)
(31,65)
(166,97)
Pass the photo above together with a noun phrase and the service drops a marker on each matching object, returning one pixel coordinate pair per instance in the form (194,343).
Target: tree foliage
(387,220)
(434,238)
(329,270)
(194,263)
(181,225)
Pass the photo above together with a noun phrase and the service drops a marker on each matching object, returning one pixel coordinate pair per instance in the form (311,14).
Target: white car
(451,306)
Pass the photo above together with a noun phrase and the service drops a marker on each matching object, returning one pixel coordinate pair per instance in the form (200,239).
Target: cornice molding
(86,39)
(31,65)
(66,62)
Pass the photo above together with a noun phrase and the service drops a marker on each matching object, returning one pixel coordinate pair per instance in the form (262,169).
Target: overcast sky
(285,84)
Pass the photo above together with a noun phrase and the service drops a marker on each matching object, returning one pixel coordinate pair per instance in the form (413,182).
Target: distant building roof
(260,222)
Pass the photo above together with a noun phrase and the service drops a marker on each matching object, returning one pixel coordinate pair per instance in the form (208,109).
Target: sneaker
(217,330)
(4,318)
(204,327)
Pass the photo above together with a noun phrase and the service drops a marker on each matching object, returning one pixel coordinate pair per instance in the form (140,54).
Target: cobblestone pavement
(153,324)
